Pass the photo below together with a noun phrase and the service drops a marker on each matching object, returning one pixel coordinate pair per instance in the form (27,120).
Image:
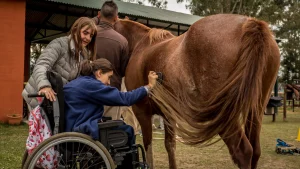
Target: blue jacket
(84,100)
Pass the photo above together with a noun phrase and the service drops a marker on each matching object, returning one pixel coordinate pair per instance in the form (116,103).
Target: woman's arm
(111,96)
(45,62)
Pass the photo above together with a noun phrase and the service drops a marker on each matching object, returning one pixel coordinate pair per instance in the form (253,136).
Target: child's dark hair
(89,67)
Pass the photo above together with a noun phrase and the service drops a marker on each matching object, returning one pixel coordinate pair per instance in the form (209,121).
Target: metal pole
(284,103)
(275,95)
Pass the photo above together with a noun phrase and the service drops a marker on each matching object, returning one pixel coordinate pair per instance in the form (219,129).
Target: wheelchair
(80,151)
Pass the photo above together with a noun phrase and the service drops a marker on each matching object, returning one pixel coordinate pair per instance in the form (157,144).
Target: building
(39,21)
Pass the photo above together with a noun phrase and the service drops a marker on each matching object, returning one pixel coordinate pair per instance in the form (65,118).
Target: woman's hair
(89,67)
(76,36)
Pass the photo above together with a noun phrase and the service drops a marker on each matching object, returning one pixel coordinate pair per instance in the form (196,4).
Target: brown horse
(217,81)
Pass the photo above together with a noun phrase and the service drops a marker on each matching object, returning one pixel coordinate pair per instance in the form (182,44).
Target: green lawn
(12,145)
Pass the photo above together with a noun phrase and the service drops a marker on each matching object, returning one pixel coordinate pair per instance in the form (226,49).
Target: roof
(49,19)
(140,11)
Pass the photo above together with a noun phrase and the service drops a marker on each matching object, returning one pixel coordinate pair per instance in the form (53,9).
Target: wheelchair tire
(71,138)
(24,158)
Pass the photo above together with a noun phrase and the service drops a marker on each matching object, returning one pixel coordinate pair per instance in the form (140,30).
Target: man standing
(112,46)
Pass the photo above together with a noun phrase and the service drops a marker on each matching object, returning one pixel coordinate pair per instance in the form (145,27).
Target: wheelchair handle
(35,95)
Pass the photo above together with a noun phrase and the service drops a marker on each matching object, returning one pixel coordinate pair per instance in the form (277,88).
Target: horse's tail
(238,98)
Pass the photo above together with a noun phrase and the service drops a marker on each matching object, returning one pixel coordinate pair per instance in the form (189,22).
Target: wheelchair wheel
(24,158)
(72,150)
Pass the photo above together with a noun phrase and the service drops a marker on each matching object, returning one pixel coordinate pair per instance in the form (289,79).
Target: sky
(178,7)
(174,6)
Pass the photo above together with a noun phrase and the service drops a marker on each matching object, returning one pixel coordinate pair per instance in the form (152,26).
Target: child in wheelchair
(86,96)
(83,100)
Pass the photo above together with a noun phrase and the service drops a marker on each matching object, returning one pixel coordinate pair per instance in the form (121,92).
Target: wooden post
(293,105)
(284,104)
(274,114)
(276,95)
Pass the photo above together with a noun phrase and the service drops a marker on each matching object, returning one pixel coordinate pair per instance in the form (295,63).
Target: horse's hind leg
(170,144)
(253,137)
(240,149)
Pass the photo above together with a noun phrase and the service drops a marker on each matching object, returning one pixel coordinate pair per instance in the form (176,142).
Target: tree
(35,52)
(290,32)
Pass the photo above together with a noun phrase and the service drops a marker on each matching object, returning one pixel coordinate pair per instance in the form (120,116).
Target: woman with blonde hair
(63,56)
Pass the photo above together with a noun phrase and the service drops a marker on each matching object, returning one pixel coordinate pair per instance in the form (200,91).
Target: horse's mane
(154,34)
(157,35)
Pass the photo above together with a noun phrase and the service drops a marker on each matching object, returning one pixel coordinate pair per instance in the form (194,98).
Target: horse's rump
(237,91)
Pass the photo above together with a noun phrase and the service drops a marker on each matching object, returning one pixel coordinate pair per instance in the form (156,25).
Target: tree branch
(234,6)
(240,7)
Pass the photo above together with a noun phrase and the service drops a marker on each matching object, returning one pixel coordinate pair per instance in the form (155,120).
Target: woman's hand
(152,77)
(49,93)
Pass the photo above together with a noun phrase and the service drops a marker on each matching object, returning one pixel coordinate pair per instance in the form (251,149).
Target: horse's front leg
(144,117)
(170,144)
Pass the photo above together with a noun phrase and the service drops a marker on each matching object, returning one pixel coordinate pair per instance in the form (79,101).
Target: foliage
(35,51)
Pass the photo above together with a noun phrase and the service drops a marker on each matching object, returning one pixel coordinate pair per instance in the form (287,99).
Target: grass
(12,145)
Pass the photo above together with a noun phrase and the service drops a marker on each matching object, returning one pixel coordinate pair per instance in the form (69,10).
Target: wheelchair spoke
(61,160)
(93,158)
(73,152)
(100,162)
(82,149)
(85,155)
(74,160)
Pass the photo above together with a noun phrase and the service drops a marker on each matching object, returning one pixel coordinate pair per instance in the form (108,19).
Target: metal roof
(49,19)
(140,11)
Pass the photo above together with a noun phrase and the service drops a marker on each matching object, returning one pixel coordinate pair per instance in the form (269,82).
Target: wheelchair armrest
(104,119)
(110,124)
